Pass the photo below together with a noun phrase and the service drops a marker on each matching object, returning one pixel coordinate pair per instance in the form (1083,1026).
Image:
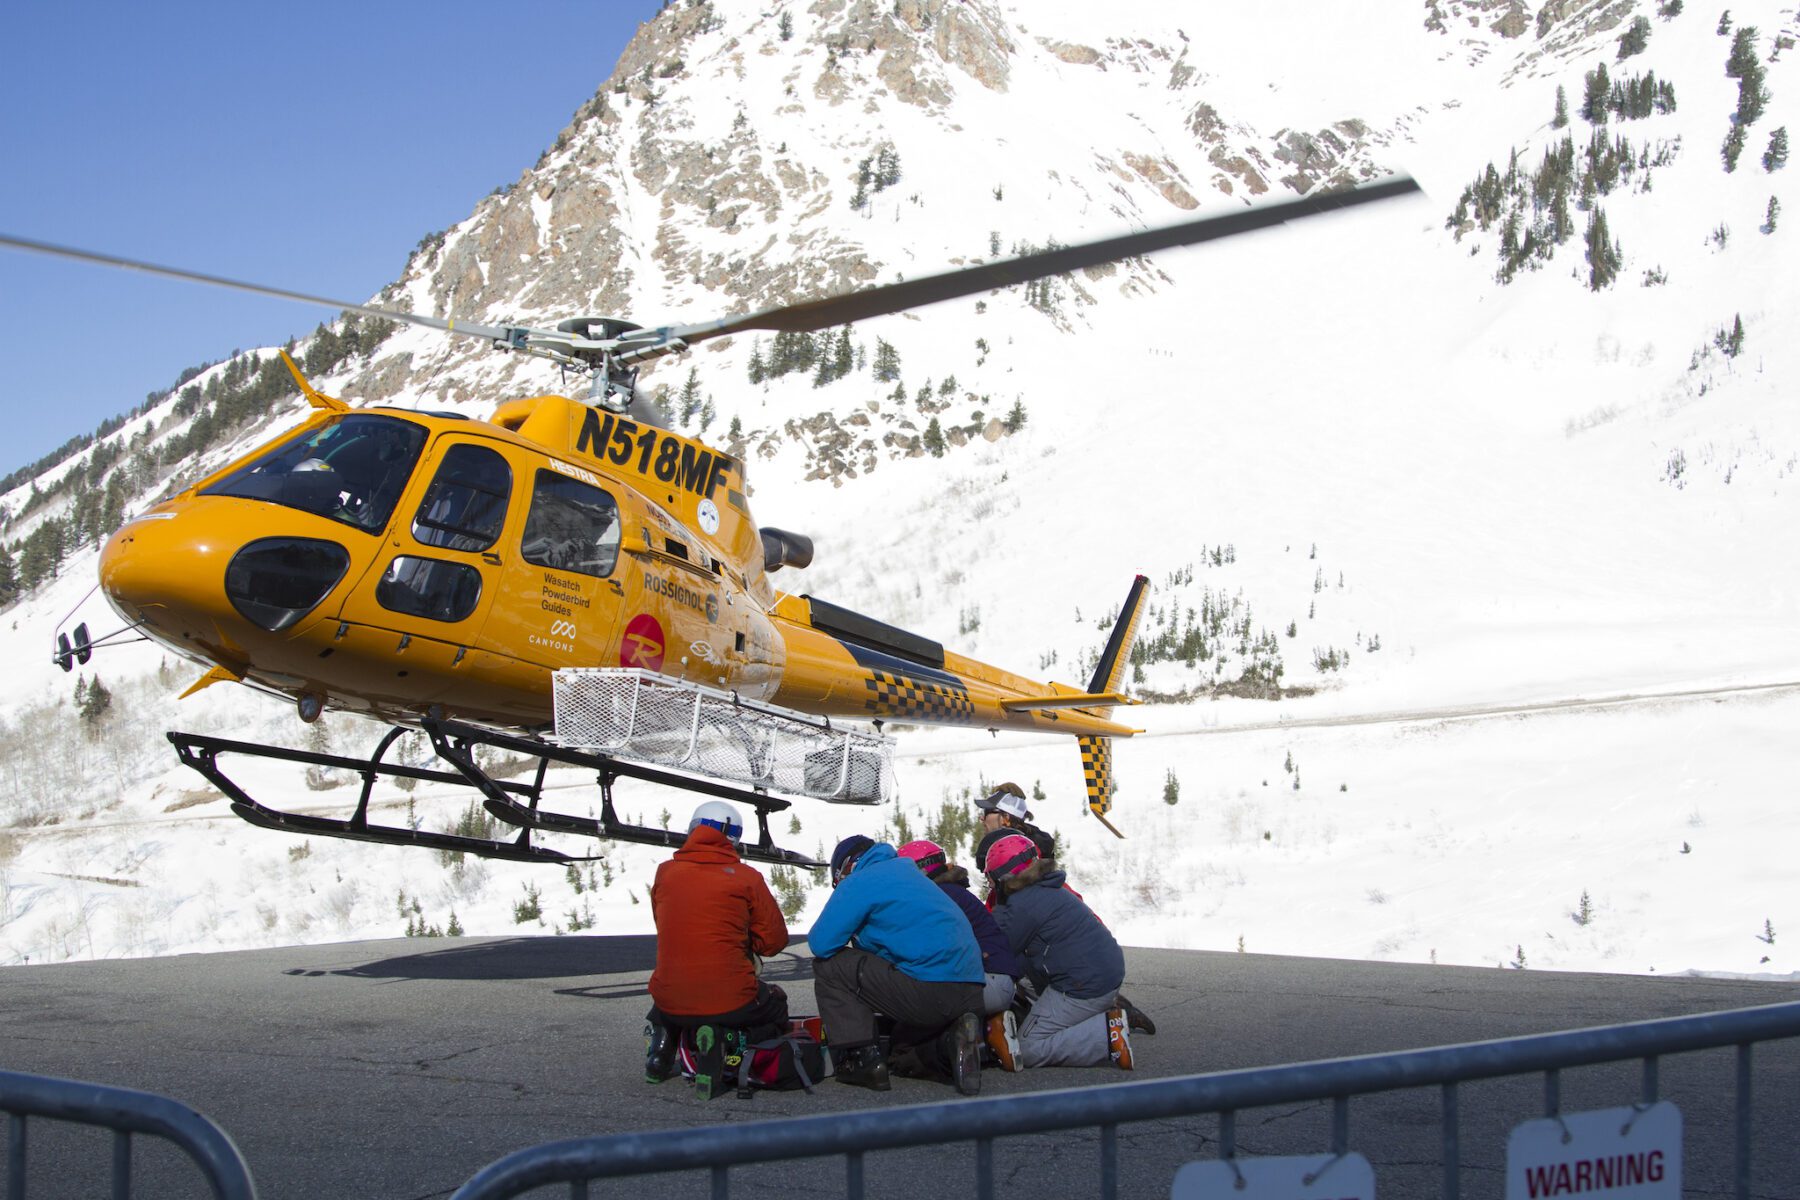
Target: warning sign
(1609,1154)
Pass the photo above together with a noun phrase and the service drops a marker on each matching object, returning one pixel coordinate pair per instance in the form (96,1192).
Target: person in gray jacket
(1075,962)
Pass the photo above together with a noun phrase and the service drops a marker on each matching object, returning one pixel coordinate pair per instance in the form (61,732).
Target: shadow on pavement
(511,958)
(549,958)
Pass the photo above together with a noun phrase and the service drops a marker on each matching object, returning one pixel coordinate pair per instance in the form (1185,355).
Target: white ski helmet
(720,816)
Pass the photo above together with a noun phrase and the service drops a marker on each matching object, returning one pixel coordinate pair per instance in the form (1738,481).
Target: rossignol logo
(688,597)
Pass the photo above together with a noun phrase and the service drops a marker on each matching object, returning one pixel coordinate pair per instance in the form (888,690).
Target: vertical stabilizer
(1109,675)
(1110,672)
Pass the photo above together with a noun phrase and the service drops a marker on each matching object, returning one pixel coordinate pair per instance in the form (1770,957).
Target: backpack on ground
(719,1059)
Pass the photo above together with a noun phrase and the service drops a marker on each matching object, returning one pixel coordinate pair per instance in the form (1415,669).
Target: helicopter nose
(171,572)
(155,572)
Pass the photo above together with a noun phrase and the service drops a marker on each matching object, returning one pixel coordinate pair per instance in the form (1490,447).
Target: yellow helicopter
(572,581)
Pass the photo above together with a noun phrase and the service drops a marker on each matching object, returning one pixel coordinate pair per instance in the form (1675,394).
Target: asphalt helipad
(398,1069)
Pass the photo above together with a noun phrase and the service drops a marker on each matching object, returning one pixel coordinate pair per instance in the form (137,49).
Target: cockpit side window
(572,526)
(351,470)
(466,504)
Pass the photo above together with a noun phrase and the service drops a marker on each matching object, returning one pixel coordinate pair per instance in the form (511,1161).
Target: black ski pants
(768,1009)
(853,985)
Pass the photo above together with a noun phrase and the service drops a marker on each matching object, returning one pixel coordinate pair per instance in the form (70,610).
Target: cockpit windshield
(352,470)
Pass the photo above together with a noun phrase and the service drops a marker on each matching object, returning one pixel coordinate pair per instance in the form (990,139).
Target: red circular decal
(642,645)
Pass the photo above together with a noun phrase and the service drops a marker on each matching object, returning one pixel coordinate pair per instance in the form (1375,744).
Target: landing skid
(516,804)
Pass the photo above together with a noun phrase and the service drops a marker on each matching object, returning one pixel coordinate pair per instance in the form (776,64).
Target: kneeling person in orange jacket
(713,913)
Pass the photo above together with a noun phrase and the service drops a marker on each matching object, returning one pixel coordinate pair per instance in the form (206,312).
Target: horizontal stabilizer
(1067,700)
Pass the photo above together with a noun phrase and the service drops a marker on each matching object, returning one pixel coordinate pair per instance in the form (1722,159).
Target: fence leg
(15,1158)
(1109,1162)
(1743,1121)
(1452,1188)
(121,1175)
(721,1183)
(853,1176)
(984,1168)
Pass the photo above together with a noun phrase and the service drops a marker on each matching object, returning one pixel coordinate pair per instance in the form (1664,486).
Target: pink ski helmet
(1009,856)
(929,855)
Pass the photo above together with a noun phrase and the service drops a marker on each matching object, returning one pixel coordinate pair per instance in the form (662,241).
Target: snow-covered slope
(1429,492)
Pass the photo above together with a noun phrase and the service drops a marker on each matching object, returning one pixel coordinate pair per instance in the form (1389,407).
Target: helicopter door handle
(490,556)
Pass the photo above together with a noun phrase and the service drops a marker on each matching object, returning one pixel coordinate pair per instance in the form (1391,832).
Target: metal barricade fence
(717,1149)
(126,1113)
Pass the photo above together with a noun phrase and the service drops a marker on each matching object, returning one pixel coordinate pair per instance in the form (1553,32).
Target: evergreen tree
(1743,52)
(786,26)
(843,356)
(1636,38)
(1669,9)
(1596,95)
(887,361)
(1015,418)
(690,396)
(93,705)
(757,369)
(1734,146)
(860,199)
(887,167)
(1775,157)
(1603,255)
(1768,227)
(1753,97)
(1562,108)
(934,439)
(9,576)
(1725,22)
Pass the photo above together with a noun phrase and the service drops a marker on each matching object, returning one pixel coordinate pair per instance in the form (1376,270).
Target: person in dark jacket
(890,941)
(1071,957)
(1003,967)
(1008,796)
(713,912)
(1004,809)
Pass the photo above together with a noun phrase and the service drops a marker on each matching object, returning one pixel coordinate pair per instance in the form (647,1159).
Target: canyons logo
(642,645)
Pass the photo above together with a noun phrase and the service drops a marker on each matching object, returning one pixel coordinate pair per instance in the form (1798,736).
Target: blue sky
(306,147)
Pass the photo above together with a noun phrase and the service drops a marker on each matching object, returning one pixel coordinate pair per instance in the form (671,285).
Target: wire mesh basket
(640,715)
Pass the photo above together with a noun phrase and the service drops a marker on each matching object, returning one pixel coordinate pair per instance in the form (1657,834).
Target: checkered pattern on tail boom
(895,695)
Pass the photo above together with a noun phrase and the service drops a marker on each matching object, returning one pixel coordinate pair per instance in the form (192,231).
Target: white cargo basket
(652,718)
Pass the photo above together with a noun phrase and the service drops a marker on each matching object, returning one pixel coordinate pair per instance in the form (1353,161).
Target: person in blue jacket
(890,941)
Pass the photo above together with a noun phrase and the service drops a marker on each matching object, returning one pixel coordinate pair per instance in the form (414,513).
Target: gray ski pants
(1061,1031)
(997,994)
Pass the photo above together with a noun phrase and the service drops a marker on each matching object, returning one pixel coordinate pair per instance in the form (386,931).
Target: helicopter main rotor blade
(510,335)
(813,315)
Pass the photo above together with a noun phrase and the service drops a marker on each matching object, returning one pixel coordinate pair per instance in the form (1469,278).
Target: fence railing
(720,1148)
(127,1113)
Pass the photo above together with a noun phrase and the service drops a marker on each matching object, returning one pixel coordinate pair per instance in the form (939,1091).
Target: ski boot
(660,1044)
